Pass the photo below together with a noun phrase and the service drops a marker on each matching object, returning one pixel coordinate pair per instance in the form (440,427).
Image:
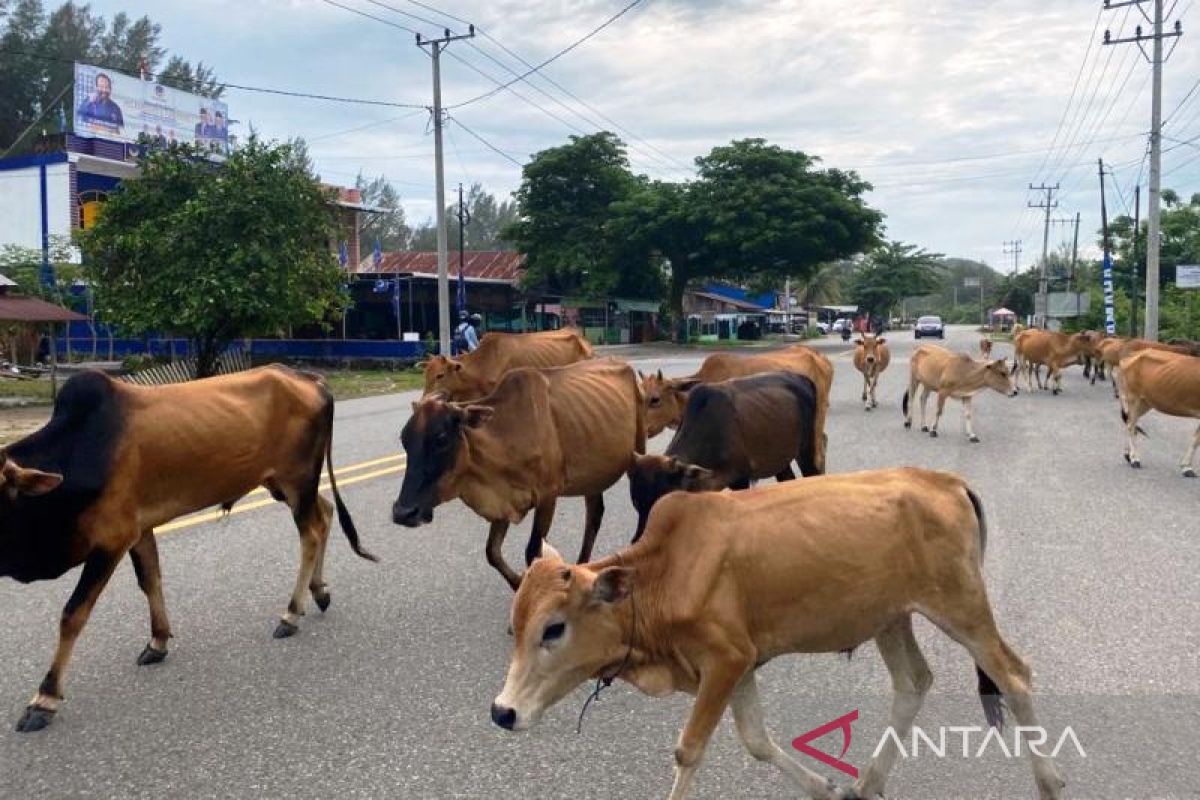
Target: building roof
(729,301)
(15,308)
(478,264)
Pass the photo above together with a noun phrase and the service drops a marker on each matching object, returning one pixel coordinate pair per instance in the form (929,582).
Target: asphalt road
(1091,569)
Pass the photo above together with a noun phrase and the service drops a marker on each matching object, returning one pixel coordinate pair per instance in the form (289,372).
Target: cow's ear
(880,340)
(456,365)
(660,375)
(695,478)
(612,585)
(685,386)
(31,482)
(421,365)
(475,416)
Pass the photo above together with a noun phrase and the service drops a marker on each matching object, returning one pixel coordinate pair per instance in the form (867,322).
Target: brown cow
(1157,380)
(540,435)
(985,348)
(1108,354)
(1034,348)
(475,374)
(957,375)
(116,460)
(666,398)
(1130,346)
(724,582)
(871,357)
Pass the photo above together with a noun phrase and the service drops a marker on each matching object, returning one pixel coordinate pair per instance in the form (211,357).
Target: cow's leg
(1134,409)
(495,555)
(785,474)
(912,401)
(874,386)
(312,517)
(752,730)
(866,388)
(969,419)
(144,556)
(316,584)
(543,516)
(924,399)
(591,525)
(1055,373)
(911,680)
(941,406)
(716,686)
(96,571)
(1112,375)
(1188,470)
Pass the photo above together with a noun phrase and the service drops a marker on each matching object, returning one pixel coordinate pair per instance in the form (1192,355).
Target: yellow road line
(241,508)
(344,470)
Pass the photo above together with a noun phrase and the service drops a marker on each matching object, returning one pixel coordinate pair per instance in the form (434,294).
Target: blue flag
(461,297)
(377,256)
(343,256)
(396,299)
(1110,316)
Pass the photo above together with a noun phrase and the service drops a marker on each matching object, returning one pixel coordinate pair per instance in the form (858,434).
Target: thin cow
(666,398)
(1034,348)
(733,432)
(724,582)
(117,459)
(871,357)
(540,435)
(473,375)
(957,375)
(1157,380)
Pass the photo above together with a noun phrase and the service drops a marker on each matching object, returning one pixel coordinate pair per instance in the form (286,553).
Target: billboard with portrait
(112,105)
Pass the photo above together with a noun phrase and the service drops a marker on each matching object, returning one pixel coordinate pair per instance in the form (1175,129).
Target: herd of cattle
(715,583)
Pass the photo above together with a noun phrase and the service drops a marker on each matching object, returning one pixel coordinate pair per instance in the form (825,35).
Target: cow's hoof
(1189,473)
(874,404)
(151,656)
(973,439)
(1056,391)
(908,423)
(867,407)
(924,429)
(1133,462)
(34,719)
(322,600)
(285,629)
(933,434)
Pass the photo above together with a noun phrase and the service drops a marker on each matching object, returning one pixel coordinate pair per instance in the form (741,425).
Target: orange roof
(478,264)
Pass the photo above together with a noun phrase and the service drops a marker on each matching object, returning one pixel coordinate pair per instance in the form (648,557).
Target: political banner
(1110,314)
(122,108)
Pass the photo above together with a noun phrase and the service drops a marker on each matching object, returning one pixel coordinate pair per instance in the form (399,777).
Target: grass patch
(35,391)
(352,383)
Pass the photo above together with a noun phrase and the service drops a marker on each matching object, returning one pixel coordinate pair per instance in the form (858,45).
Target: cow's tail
(807,456)
(343,513)
(904,404)
(989,693)
(1125,419)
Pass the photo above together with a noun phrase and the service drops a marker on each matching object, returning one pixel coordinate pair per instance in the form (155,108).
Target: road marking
(243,507)
(344,470)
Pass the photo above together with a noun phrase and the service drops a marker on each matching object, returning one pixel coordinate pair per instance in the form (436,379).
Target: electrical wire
(484,141)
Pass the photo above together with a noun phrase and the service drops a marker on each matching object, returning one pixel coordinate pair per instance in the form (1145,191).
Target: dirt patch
(18,422)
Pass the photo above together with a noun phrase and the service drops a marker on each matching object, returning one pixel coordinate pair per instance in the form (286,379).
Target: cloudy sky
(951,108)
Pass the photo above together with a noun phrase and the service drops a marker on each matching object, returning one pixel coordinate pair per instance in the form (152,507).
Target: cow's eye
(441,438)
(553,632)
(655,402)
(440,375)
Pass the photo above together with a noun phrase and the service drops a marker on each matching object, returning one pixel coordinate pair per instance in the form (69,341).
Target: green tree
(488,220)
(564,201)
(893,271)
(22,74)
(199,80)
(214,252)
(388,227)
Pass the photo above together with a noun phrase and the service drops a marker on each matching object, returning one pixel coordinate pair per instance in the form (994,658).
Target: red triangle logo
(842,723)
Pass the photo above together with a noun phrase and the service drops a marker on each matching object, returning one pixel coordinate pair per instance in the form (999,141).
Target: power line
(242,87)
(362,13)
(629,7)
(484,141)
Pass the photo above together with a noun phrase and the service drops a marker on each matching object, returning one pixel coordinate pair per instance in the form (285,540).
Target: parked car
(841,323)
(929,326)
(823,327)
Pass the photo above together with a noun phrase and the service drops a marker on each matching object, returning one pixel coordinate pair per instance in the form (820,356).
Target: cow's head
(872,347)
(17,481)
(568,626)
(433,440)
(666,400)
(653,476)
(451,377)
(997,377)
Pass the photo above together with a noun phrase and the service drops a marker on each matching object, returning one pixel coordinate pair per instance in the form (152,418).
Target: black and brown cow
(733,432)
(540,435)
(116,460)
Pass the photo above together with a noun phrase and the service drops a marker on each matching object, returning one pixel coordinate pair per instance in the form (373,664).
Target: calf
(956,375)
(1157,380)
(666,398)
(871,357)
(724,582)
(540,435)
(733,432)
(1034,348)
(985,348)
(117,459)
(475,374)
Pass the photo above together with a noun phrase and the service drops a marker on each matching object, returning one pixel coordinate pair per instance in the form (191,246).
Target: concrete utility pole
(1047,204)
(1014,249)
(436,46)
(1156,60)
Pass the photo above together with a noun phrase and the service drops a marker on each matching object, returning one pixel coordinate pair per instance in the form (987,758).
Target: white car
(823,327)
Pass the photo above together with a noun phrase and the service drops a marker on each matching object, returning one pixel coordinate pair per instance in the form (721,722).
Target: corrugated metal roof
(742,304)
(486,264)
(31,309)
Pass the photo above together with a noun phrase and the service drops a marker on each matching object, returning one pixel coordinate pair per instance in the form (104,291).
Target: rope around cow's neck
(606,681)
